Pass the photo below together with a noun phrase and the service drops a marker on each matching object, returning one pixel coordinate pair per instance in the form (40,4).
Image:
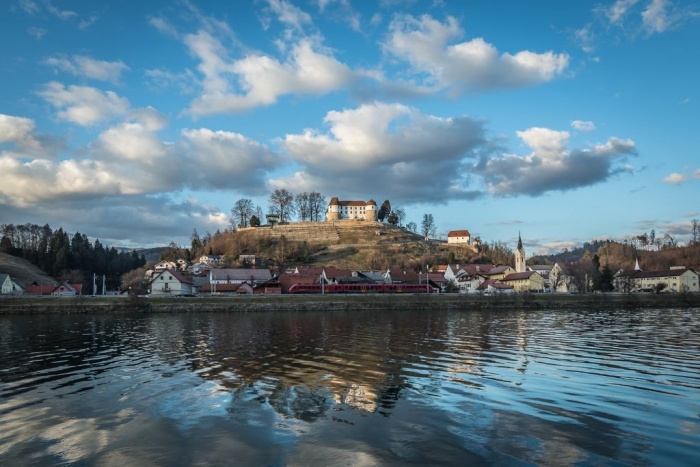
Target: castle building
(520,256)
(362,210)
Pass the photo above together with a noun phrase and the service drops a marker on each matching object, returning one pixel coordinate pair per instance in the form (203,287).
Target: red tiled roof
(517,276)
(458,233)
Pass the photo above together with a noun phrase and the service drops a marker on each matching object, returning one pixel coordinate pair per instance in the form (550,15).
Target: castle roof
(334,201)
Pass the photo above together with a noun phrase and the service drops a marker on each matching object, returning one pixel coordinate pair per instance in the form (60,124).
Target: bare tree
(281,203)
(412,226)
(400,216)
(317,206)
(303,207)
(242,210)
(428,225)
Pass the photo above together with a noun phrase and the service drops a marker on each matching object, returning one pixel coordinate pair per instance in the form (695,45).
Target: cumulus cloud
(414,157)
(19,134)
(675,178)
(84,105)
(583,126)
(258,79)
(83,66)
(128,159)
(429,47)
(551,166)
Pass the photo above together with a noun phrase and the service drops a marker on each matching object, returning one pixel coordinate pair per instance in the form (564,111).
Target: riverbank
(88,304)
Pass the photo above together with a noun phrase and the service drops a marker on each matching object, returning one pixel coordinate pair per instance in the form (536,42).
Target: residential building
(67,290)
(212,260)
(6,285)
(676,279)
(459,237)
(527,281)
(170,283)
(360,210)
(239,275)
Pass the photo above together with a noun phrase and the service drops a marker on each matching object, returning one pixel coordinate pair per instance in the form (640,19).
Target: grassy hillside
(23,270)
(344,244)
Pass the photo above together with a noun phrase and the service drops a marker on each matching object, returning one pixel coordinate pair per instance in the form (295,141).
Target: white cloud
(163,26)
(583,125)
(37,33)
(675,178)
(289,14)
(29,6)
(84,105)
(261,79)
(619,10)
(551,166)
(59,13)
(80,65)
(388,145)
(17,130)
(696,174)
(466,66)
(655,17)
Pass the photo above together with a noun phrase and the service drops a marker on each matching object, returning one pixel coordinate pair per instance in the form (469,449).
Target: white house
(170,283)
(6,284)
(459,236)
(163,265)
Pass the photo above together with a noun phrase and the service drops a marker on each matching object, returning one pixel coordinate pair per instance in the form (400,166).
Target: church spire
(520,241)
(520,256)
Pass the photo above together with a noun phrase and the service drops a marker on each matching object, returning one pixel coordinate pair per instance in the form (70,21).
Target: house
(271,287)
(470,283)
(359,210)
(562,278)
(6,284)
(459,237)
(498,272)
(528,281)
(493,287)
(39,289)
(163,265)
(211,260)
(170,282)
(312,275)
(401,276)
(67,290)
(227,289)
(676,279)
(239,275)
(199,268)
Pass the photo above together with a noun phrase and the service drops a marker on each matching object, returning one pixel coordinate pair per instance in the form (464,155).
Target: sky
(137,122)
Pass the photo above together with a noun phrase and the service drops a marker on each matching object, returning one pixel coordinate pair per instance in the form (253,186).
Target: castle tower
(371,211)
(333,211)
(520,256)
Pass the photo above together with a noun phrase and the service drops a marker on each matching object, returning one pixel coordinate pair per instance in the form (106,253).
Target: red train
(361,288)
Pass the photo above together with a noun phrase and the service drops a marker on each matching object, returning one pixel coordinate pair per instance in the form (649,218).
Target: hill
(22,270)
(344,244)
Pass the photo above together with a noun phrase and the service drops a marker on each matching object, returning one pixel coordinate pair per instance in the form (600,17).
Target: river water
(351,388)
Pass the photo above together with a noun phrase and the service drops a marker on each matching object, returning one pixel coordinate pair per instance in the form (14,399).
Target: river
(351,388)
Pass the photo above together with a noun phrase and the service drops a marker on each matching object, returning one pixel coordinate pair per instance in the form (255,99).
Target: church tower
(520,256)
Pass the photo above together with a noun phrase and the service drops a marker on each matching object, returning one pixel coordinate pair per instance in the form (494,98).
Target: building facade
(359,210)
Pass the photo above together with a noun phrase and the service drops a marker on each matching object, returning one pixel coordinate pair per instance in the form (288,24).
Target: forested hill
(624,255)
(67,257)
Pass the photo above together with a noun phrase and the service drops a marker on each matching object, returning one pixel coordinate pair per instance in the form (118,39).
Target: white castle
(338,210)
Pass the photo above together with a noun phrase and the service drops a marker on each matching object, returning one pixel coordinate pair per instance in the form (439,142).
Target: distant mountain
(151,254)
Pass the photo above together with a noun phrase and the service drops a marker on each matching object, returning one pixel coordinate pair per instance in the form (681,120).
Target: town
(249,273)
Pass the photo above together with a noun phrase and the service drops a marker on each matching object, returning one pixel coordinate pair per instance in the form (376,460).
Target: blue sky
(135,122)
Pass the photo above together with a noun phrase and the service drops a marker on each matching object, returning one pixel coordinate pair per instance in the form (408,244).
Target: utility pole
(94,284)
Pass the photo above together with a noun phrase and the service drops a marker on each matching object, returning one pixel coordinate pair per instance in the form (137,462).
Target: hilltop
(23,270)
(343,244)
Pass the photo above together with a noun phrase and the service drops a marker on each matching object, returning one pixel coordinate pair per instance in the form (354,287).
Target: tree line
(67,257)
